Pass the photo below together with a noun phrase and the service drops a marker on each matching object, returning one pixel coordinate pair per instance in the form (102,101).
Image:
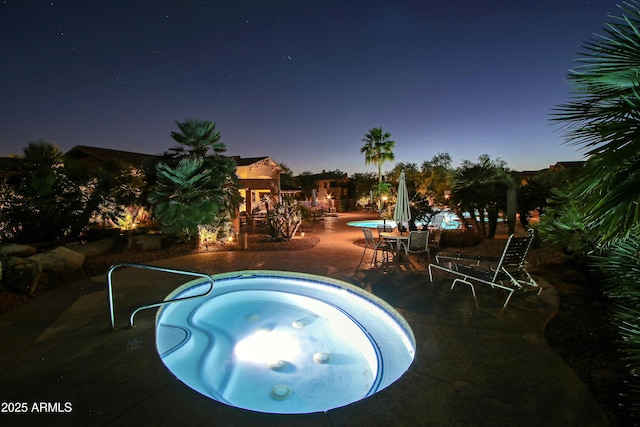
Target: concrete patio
(470,368)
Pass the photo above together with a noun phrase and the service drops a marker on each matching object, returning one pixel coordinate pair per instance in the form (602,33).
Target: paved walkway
(58,354)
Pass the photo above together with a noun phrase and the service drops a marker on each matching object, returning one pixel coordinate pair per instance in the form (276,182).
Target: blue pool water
(448,222)
(281,342)
(372,223)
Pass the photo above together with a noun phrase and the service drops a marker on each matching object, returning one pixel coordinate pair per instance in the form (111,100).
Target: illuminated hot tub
(281,342)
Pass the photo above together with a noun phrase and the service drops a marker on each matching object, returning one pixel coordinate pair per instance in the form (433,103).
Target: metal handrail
(157,304)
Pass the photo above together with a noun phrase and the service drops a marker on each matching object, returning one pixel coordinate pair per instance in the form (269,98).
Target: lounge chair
(507,273)
(382,245)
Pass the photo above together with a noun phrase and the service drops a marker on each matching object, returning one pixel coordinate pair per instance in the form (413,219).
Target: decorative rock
(59,260)
(16,249)
(21,275)
(93,248)
(145,242)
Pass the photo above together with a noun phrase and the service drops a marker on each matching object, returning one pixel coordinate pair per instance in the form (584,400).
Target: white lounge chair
(508,273)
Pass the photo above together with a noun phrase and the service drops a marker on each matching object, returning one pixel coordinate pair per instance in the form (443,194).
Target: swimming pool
(448,221)
(372,223)
(282,342)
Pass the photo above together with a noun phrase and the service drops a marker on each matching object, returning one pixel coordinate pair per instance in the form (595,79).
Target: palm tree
(378,148)
(200,136)
(603,118)
(40,202)
(185,197)
(196,186)
(42,156)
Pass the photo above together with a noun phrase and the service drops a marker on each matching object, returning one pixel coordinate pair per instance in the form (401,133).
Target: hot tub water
(283,342)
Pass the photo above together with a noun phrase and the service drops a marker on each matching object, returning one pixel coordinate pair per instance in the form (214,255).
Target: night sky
(299,81)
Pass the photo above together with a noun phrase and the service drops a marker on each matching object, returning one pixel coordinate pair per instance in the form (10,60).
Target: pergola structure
(258,182)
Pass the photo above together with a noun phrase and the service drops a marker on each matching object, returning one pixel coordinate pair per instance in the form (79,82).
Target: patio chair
(418,243)
(434,242)
(383,246)
(507,273)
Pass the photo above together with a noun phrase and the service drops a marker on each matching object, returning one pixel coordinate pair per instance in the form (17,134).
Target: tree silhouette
(378,148)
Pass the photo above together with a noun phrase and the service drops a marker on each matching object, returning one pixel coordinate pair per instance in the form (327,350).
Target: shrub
(184,198)
(564,226)
(461,238)
(283,219)
(40,202)
(210,234)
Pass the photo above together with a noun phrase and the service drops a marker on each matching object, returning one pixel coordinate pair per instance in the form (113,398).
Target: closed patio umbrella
(402,212)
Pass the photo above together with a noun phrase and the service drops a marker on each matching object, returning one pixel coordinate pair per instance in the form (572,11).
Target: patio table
(400,241)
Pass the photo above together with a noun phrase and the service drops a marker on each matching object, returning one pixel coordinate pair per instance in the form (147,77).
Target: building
(94,157)
(568,166)
(331,188)
(258,182)
(258,177)
(9,166)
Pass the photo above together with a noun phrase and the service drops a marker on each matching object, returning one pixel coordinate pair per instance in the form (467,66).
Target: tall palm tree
(378,148)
